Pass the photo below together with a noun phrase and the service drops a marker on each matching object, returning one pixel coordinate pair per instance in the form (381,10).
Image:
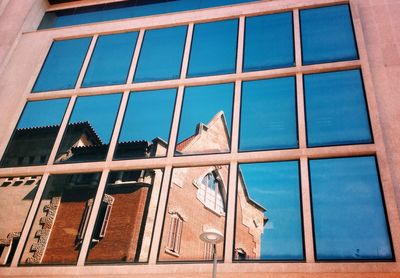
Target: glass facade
(277,231)
(164,45)
(200,115)
(352,185)
(110,60)
(268,114)
(268,42)
(63,63)
(327,35)
(336,109)
(215,41)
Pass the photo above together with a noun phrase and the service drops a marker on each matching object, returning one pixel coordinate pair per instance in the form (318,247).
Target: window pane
(205,123)
(268,212)
(89,129)
(126,9)
(348,213)
(193,208)
(62,66)
(327,35)
(268,114)
(60,223)
(125,221)
(16,196)
(335,108)
(146,134)
(268,42)
(111,60)
(213,48)
(161,54)
(34,136)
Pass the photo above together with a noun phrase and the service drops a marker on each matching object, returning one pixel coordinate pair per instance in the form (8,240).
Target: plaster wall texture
(21,56)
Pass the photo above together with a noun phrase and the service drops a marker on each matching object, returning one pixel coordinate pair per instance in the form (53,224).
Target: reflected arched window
(211,192)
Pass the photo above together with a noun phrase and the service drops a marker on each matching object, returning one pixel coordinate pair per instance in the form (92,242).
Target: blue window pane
(336,111)
(89,129)
(206,118)
(126,9)
(111,60)
(34,136)
(268,212)
(348,213)
(213,48)
(145,134)
(268,42)
(62,66)
(161,54)
(268,115)
(327,35)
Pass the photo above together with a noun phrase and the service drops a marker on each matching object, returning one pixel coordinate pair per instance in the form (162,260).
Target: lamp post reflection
(212,236)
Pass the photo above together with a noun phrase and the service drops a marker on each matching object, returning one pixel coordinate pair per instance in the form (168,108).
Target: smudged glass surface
(336,110)
(110,60)
(161,54)
(197,202)
(36,131)
(268,212)
(60,223)
(213,48)
(147,123)
(205,122)
(62,66)
(127,9)
(88,133)
(348,213)
(126,216)
(268,115)
(16,196)
(268,42)
(327,35)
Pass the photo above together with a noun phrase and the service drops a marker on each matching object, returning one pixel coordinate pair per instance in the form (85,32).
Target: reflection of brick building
(197,201)
(20,193)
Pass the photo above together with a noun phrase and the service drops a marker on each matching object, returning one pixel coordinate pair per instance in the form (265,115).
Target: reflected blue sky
(111,60)
(62,66)
(268,114)
(268,42)
(327,35)
(148,115)
(275,186)
(213,48)
(43,113)
(336,111)
(120,10)
(201,104)
(349,219)
(165,45)
(100,111)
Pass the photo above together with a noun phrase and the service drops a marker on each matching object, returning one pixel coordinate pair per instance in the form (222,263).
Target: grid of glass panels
(268,202)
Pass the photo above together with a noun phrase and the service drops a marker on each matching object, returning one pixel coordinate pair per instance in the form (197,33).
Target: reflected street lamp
(212,236)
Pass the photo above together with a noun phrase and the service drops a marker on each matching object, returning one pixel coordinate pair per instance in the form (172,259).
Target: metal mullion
(230,213)
(61,131)
(135,58)
(117,126)
(86,62)
(306,211)
(198,81)
(186,53)
(159,220)
(93,216)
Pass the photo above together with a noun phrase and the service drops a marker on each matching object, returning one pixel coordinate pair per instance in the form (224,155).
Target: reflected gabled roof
(201,127)
(87,127)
